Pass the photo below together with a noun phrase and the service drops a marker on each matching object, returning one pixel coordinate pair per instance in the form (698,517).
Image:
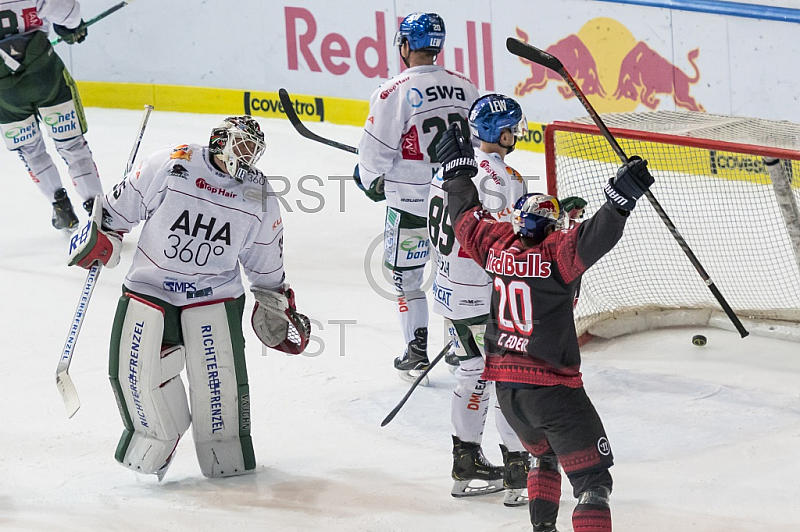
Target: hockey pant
(44,96)
(406,251)
(559,425)
(472,395)
(145,363)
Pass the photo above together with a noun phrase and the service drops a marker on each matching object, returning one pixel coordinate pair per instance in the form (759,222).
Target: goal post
(731,185)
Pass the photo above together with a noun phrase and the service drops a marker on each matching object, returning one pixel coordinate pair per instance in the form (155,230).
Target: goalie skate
(472,473)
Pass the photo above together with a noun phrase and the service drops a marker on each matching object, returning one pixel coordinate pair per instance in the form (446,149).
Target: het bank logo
(309,48)
(617,74)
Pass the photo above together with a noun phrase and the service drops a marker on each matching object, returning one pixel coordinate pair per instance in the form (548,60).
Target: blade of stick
(422,375)
(63,381)
(291,114)
(540,57)
(68,393)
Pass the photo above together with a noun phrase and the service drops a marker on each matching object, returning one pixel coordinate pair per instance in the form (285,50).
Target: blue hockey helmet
(534,213)
(423,31)
(492,113)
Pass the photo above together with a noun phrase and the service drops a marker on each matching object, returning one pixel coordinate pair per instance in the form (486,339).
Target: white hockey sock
(82,170)
(470,401)
(41,168)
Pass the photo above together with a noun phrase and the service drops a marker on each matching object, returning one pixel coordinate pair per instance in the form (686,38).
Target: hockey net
(738,215)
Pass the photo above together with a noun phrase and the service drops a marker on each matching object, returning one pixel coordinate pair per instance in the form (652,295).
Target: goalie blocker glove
(72,35)
(632,180)
(276,321)
(456,154)
(92,244)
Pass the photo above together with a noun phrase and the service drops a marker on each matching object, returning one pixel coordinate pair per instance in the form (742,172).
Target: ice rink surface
(705,439)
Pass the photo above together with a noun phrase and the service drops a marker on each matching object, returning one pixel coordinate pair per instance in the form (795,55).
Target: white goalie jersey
(201,224)
(462,288)
(408,116)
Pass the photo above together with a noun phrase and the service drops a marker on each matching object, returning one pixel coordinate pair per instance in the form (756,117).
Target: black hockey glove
(72,35)
(632,180)
(375,191)
(456,154)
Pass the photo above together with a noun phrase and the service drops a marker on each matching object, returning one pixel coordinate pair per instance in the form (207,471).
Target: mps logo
(173,285)
(615,74)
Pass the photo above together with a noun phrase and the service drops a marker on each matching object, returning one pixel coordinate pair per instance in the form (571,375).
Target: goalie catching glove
(276,321)
(632,180)
(92,244)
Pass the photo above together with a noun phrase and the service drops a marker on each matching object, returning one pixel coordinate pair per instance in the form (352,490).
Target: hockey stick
(63,381)
(288,108)
(540,57)
(101,16)
(422,376)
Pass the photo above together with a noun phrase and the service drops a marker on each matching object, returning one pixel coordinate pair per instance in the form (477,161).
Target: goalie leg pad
(218,389)
(148,388)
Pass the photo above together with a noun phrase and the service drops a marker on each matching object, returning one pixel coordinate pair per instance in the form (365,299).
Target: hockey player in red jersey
(397,158)
(37,95)
(531,345)
(207,213)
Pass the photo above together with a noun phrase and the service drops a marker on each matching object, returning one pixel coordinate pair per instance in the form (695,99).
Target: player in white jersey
(37,93)
(206,211)
(408,115)
(462,293)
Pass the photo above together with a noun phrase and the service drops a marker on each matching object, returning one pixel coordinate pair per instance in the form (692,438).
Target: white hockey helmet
(239,142)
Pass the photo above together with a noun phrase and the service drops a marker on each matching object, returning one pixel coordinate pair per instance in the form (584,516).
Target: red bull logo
(645,73)
(575,57)
(617,75)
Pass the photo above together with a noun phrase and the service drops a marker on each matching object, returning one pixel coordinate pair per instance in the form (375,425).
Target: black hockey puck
(699,340)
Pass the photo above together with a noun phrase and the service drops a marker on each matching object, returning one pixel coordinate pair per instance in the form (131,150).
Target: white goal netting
(738,215)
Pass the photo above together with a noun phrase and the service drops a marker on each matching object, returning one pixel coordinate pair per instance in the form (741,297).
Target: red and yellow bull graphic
(617,72)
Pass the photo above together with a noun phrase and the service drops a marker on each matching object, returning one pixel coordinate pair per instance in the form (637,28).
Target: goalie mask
(239,142)
(533,214)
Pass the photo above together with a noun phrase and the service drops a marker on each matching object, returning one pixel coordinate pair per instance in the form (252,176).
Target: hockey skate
(516,465)
(471,466)
(88,205)
(545,527)
(64,218)
(452,360)
(415,358)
